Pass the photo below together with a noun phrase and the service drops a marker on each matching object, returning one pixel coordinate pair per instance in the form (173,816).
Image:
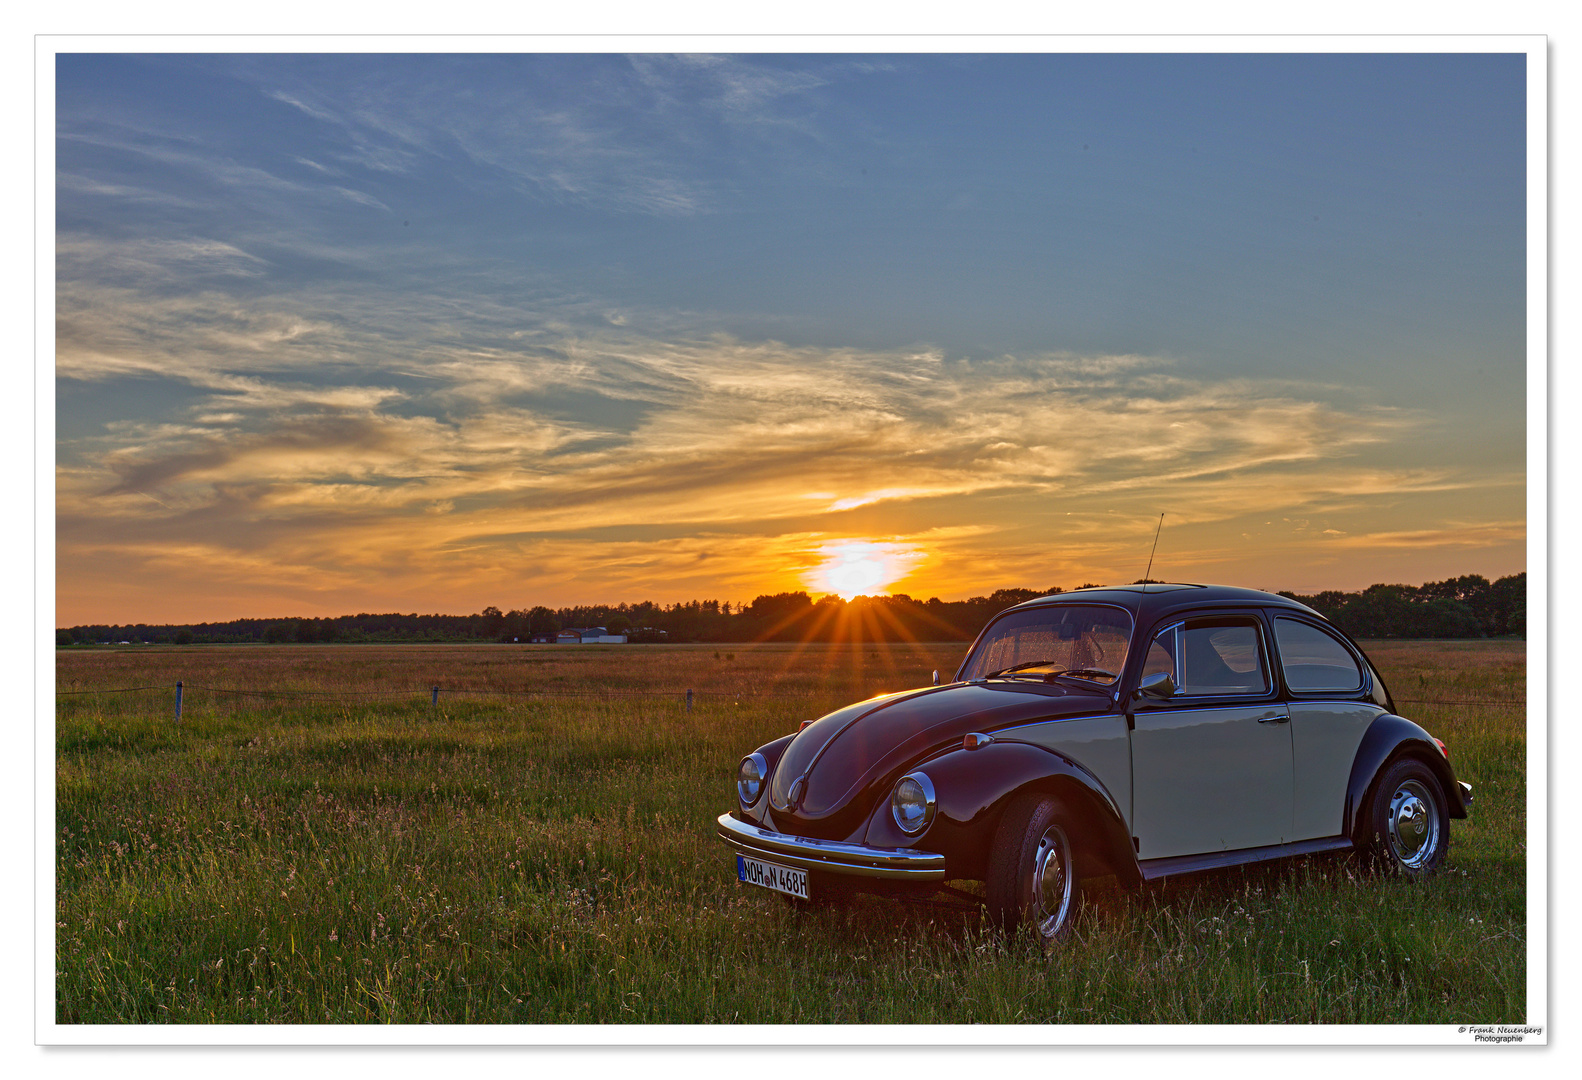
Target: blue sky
(364,332)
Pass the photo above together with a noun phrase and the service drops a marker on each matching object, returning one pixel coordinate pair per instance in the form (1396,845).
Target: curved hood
(841,754)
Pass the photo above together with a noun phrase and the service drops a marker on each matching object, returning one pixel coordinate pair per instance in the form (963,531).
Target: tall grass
(510,858)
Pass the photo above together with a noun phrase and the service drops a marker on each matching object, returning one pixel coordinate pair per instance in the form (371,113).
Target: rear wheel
(1408,823)
(1033,882)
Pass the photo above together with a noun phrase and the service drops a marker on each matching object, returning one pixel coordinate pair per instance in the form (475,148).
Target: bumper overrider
(831,856)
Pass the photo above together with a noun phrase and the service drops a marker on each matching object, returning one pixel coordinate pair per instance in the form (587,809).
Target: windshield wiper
(1080,672)
(1020,667)
(1084,672)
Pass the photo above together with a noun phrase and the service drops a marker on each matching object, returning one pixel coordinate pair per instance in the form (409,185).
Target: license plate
(768,875)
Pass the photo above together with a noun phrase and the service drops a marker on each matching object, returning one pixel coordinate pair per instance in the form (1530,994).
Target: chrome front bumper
(831,856)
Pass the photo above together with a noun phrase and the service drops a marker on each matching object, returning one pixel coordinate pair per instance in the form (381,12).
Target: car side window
(1221,657)
(1314,659)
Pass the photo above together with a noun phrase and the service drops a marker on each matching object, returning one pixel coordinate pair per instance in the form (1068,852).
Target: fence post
(689,700)
(436,697)
(178,701)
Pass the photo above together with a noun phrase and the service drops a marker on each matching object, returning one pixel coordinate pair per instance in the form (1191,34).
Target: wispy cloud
(362,197)
(482,459)
(153,259)
(410,326)
(737,89)
(1465,534)
(68,183)
(627,139)
(315,111)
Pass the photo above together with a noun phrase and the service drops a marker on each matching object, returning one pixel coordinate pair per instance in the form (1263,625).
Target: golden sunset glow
(861,567)
(430,334)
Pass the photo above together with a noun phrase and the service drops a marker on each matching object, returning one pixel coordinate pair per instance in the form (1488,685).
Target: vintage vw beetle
(1139,730)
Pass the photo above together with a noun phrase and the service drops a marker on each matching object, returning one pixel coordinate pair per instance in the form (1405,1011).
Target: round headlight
(912,803)
(750,778)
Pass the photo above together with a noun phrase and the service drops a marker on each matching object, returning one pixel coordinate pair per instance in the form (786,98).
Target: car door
(1212,766)
(1329,716)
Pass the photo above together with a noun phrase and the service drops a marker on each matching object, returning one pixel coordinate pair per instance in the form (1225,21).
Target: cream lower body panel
(1325,736)
(1100,744)
(1215,778)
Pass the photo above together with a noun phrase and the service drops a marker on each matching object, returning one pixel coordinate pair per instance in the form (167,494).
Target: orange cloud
(568,465)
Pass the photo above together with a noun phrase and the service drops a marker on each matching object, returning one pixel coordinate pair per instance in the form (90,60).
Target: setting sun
(861,567)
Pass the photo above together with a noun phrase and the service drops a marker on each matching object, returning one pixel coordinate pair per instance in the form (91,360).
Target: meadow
(306,846)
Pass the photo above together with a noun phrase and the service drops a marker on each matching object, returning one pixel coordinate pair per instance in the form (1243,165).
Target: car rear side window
(1221,657)
(1313,659)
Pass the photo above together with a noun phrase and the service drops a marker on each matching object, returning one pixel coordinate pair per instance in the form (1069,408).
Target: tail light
(1442,749)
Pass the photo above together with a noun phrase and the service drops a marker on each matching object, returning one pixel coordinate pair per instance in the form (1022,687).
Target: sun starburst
(861,567)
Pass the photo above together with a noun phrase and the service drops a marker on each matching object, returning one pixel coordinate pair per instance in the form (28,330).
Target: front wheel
(1033,879)
(1408,824)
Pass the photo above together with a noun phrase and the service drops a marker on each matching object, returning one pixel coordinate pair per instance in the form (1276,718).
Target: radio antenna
(1155,548)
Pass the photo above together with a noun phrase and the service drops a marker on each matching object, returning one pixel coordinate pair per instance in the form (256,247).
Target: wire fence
(434,692)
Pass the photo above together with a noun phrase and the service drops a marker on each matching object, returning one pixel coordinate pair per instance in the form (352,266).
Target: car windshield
(1081,640)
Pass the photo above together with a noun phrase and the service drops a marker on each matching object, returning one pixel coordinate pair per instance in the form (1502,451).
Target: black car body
(1140,731)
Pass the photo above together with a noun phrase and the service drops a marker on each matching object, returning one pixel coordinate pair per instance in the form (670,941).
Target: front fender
(972,788)
(1387,738)
(772,752)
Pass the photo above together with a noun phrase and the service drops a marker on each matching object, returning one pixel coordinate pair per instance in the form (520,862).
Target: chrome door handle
(1274,718)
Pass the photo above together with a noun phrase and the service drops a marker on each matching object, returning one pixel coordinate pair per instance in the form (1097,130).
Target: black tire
(1033,882)
(1407,828)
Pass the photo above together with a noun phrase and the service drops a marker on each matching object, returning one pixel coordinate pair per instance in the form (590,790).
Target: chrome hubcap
(1413,825)
(1052,882)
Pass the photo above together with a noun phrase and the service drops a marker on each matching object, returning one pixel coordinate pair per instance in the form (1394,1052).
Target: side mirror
(1158,686)
(936,676)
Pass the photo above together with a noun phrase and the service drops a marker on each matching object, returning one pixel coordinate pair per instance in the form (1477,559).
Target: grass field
(510,857)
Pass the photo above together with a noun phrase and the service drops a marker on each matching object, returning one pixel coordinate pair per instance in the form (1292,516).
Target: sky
(345,333)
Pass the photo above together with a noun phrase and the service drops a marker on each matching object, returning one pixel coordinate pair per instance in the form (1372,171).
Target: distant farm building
(593,635)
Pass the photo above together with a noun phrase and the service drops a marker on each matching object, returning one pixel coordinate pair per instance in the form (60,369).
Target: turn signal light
(975,739)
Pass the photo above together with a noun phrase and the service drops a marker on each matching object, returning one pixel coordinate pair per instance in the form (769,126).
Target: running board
(1154,869)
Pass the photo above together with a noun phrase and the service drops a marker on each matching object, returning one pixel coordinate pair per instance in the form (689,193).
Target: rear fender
(1390,737)
(972,788)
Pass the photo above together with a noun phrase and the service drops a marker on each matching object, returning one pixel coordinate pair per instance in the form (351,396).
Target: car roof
(1147,602)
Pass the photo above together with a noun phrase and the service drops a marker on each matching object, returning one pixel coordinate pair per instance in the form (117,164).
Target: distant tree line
(1459,607)
(791,616)
(1462,607)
